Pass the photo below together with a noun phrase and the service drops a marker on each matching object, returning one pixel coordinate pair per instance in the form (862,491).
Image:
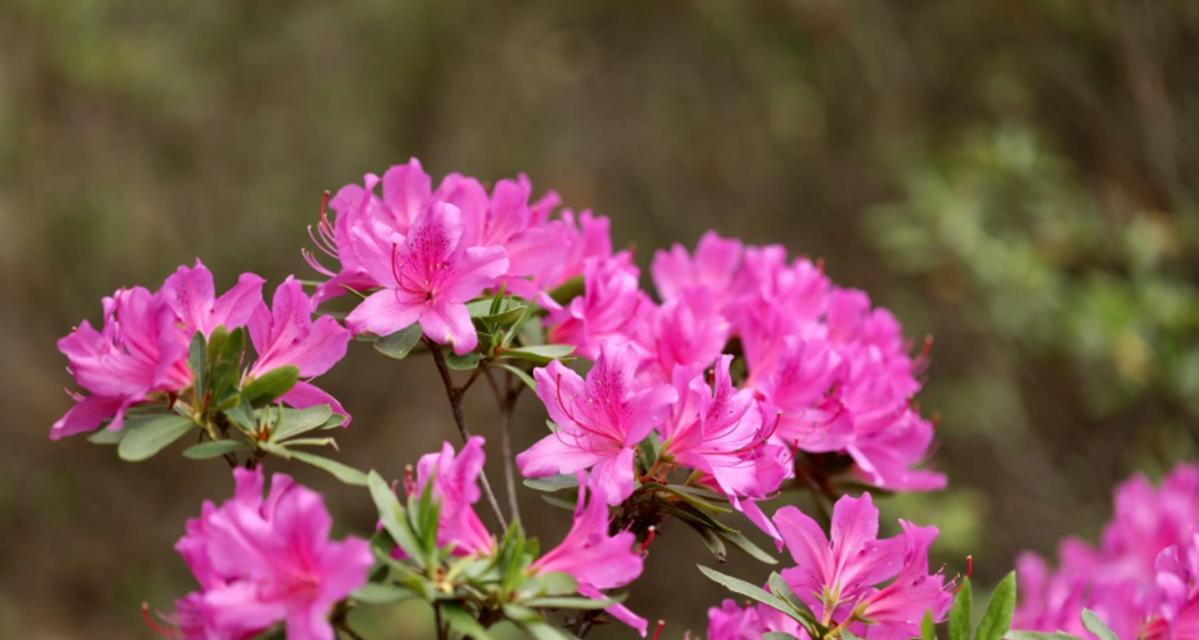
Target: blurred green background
(1014,177)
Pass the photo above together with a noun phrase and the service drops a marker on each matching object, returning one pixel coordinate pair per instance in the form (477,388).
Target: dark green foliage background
(1015,177)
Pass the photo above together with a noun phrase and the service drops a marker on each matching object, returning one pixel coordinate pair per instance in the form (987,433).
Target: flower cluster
(840,578)
(260,561)
(747,359)
(747,370)
(140,355)
(1141,577)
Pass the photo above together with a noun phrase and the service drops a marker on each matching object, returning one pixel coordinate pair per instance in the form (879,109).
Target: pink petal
(305,394)
(449,323)
(384,313)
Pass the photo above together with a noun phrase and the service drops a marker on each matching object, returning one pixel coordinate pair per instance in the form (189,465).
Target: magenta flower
(191,294)
(286,334)
(1176,594)
(432,276)
(586,237)
(1126,580)
(260,562)
(599,422)
(731,622)
(456,486)
(140,352)
(594,558)
(367,228)
(676,337)
(612,308)
(838,577)
(705,281)
(719,431)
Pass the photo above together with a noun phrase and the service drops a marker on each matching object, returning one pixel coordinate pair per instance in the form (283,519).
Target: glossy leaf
(997,618)
(959,615)
(462,622)
(539,354)
(271,384)
(1097,626)
(382,594)
(146,437)
(743,588)
(214,449)
(401,343)
(294,422)
(393,516)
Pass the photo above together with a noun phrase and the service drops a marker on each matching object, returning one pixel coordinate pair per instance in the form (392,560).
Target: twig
(455,396)
(506,400)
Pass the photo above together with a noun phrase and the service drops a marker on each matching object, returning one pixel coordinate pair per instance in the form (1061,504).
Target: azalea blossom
(138,352)
(429,279)
(598,421)
(455,485)
(263,561)
(839,576)
(611,309)
(595,559)
(1132,578)
(191,294)
(720,431)
(286,334)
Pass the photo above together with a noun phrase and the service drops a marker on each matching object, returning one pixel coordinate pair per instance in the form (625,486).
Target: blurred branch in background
(1015,177)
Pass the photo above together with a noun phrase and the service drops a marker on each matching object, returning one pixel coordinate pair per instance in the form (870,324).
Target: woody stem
(505,398)
(455,396)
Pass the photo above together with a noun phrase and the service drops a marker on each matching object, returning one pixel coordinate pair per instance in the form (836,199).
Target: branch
(455,396)
(506,400)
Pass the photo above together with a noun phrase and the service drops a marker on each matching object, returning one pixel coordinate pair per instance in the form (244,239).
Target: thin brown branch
(455,396)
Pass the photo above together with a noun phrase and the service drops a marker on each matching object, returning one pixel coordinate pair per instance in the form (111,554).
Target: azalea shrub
(748,379)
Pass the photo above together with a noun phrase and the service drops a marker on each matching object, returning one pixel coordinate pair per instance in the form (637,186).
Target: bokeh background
(1014,177)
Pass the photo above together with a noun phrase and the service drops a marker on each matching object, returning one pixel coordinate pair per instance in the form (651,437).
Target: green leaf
(959,615)
(343,472)
(312,442)
(501,315)
(106,436)
(780,588)
(462,622)
(550,484)
(293,422)
(393,516)
(146,437)
(568,290)
(521,375)
(464,362)
(382,594)
(242,416)
(225,351)
(846,634)
(271,384)
(743,588)
(567,602)
(399,344)
(778,635)
(556,583)
(928,628)
(1096,625)
(197,359)
(213,449)
(997,619)
(540,354)
(737,539)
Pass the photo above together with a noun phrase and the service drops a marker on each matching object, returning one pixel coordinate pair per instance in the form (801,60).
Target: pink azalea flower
(367,227)
(1131,579)
(432,276)
(719,431)
(594,558)
(838,577)
(506,220)
(456,486)
(599,422)
(1176,593)
(676,337)
(611,309)
(140,352)
(191,294)
(705,281)
(731,622)
(286,334)
(260,562)
(586,237)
